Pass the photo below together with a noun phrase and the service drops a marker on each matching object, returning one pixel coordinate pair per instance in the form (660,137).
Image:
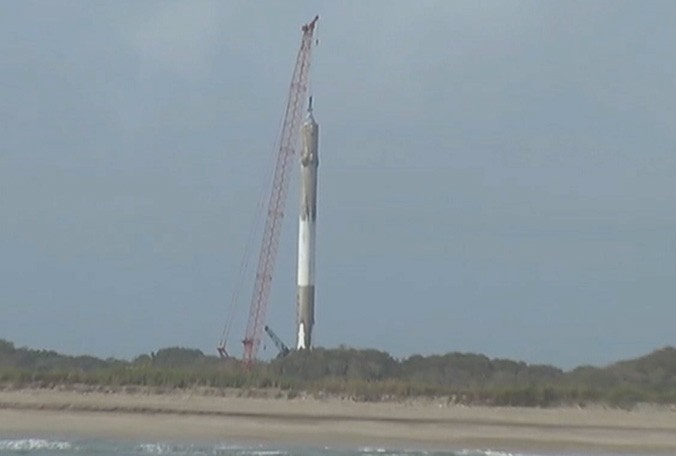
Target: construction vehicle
(284,350)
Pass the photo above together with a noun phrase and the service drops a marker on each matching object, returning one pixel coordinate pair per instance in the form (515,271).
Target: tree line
(362,375)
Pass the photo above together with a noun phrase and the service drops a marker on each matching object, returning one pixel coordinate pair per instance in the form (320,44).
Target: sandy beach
(192,417)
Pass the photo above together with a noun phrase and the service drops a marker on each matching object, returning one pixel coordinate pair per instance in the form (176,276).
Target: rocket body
(309,162)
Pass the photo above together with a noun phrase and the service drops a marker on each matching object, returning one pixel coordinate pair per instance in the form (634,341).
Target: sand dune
(191,417)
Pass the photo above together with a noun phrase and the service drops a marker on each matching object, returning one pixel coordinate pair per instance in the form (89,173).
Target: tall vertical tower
(309,162)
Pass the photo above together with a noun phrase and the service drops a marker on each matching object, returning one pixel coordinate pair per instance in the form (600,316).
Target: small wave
(487,453)
(34,444)
(196,450)
(167,449)
(226,446)
(263,453)
(155,448)
(379,451)
(223,448)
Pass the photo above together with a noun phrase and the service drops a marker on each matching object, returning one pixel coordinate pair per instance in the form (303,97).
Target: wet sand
(199,418)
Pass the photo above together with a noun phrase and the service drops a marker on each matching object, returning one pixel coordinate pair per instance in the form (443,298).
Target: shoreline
(189,417)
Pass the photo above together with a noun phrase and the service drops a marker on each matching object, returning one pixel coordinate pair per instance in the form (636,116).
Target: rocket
(309,162)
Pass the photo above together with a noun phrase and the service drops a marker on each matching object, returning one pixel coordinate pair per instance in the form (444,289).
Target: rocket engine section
(309,162)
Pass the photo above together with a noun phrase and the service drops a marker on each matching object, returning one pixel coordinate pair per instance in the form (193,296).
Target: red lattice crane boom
(280,185)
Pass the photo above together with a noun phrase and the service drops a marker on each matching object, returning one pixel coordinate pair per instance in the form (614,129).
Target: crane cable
(235,300)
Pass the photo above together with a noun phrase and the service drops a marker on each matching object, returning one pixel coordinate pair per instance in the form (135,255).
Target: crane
(277,201)
(279,343)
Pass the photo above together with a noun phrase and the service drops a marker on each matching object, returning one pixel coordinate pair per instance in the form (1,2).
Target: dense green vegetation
(365,375)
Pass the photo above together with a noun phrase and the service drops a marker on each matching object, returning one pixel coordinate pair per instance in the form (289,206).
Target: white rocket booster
(309,161)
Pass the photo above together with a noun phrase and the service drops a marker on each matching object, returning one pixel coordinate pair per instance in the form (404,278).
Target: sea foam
(24,445)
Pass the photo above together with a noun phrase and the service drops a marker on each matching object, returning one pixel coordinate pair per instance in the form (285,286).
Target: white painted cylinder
(306,232)
(306,243)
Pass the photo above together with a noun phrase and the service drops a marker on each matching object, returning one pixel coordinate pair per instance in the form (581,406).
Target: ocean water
(46,447)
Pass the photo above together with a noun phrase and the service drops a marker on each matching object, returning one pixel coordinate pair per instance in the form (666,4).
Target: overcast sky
(495,177)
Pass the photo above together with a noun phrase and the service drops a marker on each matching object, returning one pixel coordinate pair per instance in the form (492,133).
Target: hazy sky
(495,177)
